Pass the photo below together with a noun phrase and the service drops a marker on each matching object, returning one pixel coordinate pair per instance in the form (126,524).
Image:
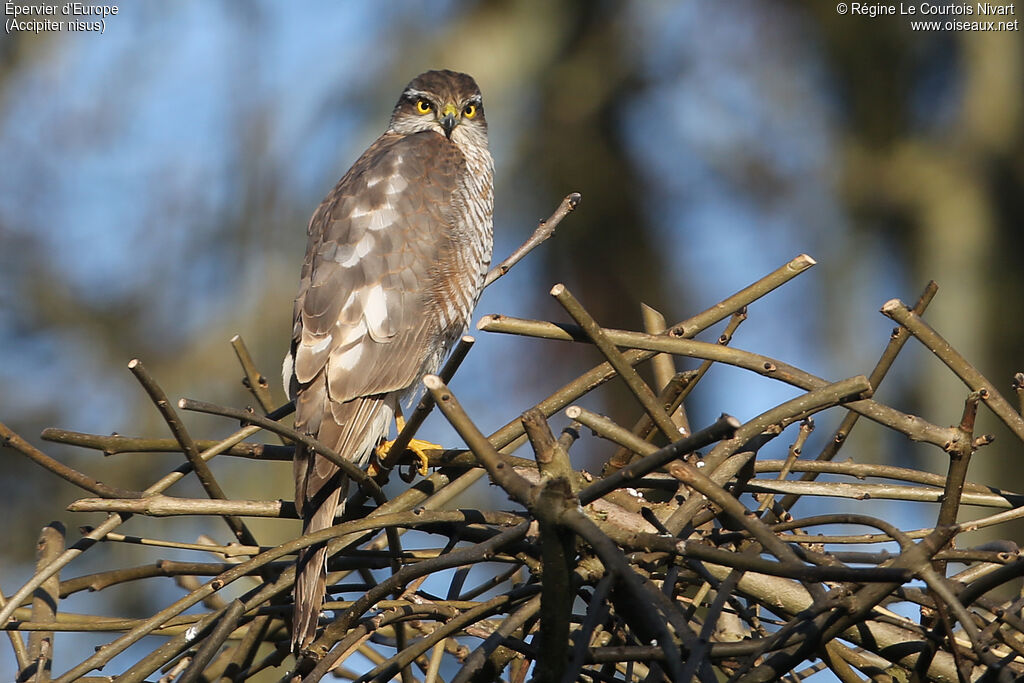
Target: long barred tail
(311,569)
(352,429)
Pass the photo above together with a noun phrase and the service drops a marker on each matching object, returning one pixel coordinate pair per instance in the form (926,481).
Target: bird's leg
(417,447)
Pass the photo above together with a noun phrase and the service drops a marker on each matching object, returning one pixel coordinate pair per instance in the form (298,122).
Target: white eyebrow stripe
(413,92)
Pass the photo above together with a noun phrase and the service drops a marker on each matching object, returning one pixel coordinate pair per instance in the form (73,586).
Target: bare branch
(9,439)
(544,230)
(254,380)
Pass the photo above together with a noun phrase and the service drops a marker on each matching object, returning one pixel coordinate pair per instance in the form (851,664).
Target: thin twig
(515,485)
(115,443)
(229,550)
(9,439)
(168,506)
(254,380)
(544,230)
(975,381)
(671,397)
(663,366)
(723,428)
(923,494)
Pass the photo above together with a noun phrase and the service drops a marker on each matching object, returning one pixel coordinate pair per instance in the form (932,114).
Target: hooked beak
(449,119)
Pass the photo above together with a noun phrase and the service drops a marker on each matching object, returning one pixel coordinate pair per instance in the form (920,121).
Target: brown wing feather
(367,322)
(373,259)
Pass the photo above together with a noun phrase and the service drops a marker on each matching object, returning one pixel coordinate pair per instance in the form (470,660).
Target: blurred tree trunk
(612,260)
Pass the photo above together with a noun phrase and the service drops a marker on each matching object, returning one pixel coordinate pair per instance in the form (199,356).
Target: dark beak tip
(448,123)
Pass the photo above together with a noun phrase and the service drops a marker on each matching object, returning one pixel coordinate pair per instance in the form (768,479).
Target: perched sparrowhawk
(395,262)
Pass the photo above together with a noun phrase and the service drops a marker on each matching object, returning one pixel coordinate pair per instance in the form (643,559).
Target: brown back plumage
(394,264)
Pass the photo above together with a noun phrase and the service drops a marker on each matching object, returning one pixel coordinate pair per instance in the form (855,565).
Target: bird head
(447,102)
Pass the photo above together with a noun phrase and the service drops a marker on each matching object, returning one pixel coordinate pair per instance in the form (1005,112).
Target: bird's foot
(417,447)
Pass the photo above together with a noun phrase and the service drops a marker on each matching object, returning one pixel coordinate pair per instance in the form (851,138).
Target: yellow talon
(417,447)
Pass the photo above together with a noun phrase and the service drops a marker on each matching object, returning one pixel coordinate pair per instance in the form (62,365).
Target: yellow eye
(469,111)
(423,107)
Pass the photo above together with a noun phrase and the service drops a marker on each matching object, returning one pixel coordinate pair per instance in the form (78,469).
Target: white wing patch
(350,258)
(349,302)
(311,354)
(382,218)
(364,245)
(349,359)
(396,184)
(321,345)
(375,313)
(287,369)
(353,335)
(348,255)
